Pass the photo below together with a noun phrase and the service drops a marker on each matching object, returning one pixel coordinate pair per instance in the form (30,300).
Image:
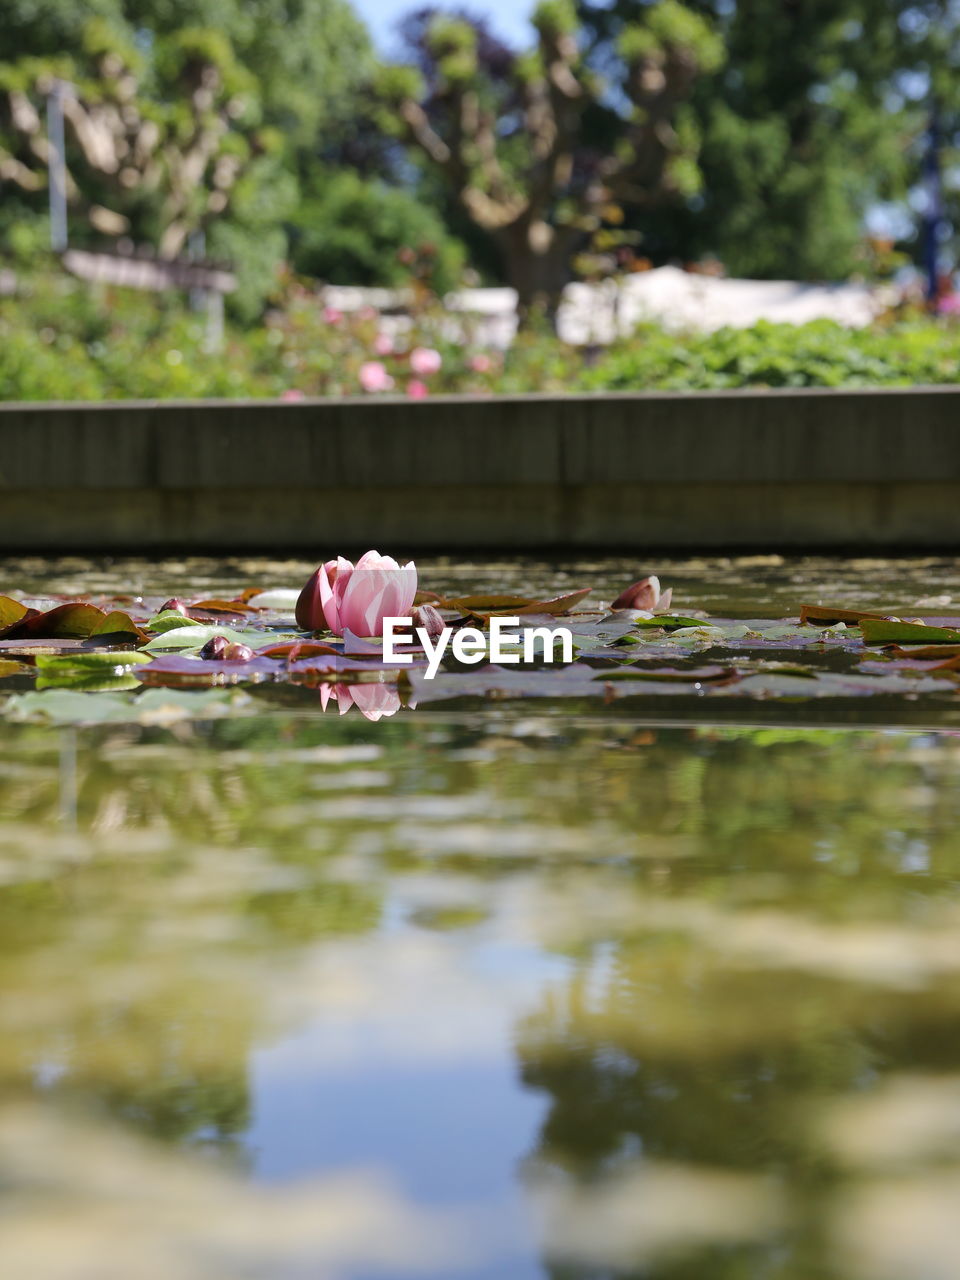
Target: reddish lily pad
(827,615)
(294,649)
(485,606)
(73,621)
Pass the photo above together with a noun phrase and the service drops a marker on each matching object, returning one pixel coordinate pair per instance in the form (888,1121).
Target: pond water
(486,991)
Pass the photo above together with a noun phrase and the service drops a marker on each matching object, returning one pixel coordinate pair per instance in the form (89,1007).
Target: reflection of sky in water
(449,1137)
(420,1082)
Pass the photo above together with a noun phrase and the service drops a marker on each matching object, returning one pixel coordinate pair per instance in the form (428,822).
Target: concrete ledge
(747,468)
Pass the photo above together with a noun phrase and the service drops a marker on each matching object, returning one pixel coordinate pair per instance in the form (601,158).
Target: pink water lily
(343,596)
(645,595)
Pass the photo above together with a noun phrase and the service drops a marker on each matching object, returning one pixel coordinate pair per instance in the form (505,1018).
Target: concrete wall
(745,469)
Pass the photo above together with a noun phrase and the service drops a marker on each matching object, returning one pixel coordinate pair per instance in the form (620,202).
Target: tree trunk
(536,263)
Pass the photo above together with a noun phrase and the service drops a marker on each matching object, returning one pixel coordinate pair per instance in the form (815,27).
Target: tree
(352,231)
(533,151)
(180,117)
(804,128)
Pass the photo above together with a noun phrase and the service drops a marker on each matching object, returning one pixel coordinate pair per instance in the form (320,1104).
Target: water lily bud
(174,605)
(309,610)
(427,617)
(237,653)
(644,594)
(215,649)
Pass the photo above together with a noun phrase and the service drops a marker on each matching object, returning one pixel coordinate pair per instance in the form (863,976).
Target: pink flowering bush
(373,376)
(424,361)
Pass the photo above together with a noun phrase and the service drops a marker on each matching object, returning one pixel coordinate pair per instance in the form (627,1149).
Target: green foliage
(453,43)
(61,340)
(531,148)
(351,231)
(670,27)
(309,57)
(192,150)
(555,17)
(820,354)
(394,83)
(804,125)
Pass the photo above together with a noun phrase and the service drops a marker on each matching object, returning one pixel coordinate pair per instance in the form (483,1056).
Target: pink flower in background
(367,313)
(372,700)
(424,361)
(480,363)
(417,390)
(645,595)
(383,344)
(358,597)
(332,315)
(374,377)
(292,393)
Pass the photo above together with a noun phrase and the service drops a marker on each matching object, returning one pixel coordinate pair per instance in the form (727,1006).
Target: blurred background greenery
(807,140)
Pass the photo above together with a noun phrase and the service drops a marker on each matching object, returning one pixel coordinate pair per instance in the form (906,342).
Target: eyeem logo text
(506,642)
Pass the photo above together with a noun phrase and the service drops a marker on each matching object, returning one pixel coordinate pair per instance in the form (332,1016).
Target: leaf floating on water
(480,603)
(675,675)
(669,622)
(88,663)
(293,649)
(827,614)
(11,612)
(119,624)
(194,635)
(486,606)
(925,651)
(889,631)
(169,620)
(219,606)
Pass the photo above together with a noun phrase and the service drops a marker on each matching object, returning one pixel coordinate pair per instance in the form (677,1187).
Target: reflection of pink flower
(372,700)
(424,361)
(332,315)
(383,344)
(374,377)
(645,595)
(291,393)
(357,599)
(480,363)
(416,389)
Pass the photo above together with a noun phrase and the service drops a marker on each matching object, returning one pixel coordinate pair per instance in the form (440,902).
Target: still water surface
(499,991)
